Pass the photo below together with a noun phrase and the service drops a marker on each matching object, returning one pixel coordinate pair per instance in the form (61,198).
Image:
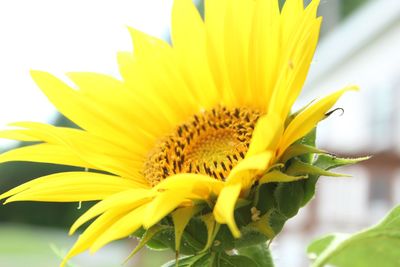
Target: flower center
(210,143)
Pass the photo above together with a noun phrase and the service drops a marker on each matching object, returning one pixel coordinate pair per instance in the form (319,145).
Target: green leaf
(214,259)
(225,260)
(163,240)
(276,221)
(259,253)
(224,239)
(376,246)
(190,261)
(154,244)
(252,235)
(193,239)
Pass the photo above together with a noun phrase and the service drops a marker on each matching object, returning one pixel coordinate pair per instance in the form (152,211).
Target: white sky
(62,36)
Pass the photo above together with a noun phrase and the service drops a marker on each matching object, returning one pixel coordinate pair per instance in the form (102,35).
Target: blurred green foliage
(349,6)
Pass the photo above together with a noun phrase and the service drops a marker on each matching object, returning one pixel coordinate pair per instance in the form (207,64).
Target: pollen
(211,143)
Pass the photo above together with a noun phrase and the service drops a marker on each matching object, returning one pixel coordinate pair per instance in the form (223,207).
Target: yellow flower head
(189,130)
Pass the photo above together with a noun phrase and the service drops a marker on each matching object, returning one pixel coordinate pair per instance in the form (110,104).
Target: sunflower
(189,128)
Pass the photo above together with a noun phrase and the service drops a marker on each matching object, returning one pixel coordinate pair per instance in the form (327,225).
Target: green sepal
(309,140)
(299,149)
(147,236)
(278,176)
(212,230)
(298,167)
(294,114)
(328,162)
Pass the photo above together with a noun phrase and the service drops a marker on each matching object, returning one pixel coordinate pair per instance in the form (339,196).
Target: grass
(24,245)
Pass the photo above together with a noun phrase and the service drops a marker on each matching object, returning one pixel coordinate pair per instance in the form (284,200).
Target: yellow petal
(45,153)
(298,66)
(292,9)
(264,51)
(97,152)
(149,94)
(112,94)
(155,58)
(145,45)
(181,218)
(95,229)
(225,206)
(266,135)
(125,226)
(69,187)
(19,135)
(94,117)
(238,18)
(128,200)
(189,42)
(163,204)
(299,35)
(308,119)
(249,168)
(199,184)
(215,12)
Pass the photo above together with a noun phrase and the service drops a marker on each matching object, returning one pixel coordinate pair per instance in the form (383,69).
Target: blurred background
(359,45)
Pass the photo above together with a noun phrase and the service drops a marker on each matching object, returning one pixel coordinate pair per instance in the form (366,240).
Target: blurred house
(362,50)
